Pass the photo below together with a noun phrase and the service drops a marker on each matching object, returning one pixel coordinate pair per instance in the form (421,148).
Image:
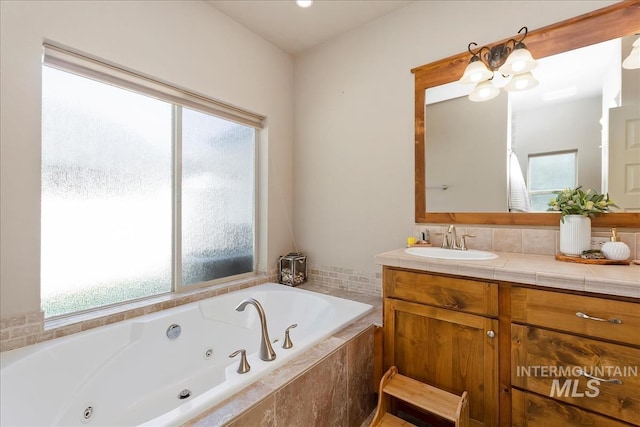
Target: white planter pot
(575,235)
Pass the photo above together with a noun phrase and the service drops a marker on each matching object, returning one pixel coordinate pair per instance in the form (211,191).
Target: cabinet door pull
(586,316)
(602,380)
(491,334)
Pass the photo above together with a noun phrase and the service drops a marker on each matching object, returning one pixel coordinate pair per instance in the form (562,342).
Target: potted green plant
(576,208)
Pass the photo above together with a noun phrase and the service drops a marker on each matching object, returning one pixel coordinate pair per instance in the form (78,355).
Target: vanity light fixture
(632,61)
(511,59)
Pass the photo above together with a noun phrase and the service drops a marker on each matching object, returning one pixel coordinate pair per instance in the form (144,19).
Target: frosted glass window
(130,207)
(548,173)
(217,197)
(106,194)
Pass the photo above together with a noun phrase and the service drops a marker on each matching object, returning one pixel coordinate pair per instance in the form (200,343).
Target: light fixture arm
(472,52)
(478,53)
(526,31)
(495,56)
(519,44)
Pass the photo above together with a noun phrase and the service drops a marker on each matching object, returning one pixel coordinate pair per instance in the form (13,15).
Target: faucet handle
(244,366)
(287,339)
(463,241)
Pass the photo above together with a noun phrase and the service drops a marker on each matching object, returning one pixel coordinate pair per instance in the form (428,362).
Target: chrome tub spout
(266,350)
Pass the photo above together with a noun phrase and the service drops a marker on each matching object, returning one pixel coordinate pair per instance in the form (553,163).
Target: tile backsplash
(368,283)
(535,241)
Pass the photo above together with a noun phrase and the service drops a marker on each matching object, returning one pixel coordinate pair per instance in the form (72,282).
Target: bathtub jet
(266,350)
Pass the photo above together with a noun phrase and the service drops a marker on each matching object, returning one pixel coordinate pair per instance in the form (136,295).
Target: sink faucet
(450,239)
(266,351)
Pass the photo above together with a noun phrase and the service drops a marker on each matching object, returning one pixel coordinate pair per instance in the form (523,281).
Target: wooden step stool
(423,396)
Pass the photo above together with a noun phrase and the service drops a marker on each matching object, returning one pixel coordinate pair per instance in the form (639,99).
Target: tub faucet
(266,351)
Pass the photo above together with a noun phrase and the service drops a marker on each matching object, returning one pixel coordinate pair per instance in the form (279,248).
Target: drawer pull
(586,316)
(602,380)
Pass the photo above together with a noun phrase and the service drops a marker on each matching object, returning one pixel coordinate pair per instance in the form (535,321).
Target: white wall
(353,151)
(187,43)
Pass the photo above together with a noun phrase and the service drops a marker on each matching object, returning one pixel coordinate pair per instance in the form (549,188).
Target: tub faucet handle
(244,366)
(287,339)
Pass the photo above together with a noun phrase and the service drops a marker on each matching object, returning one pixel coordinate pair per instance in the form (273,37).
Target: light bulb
(518,66)
(519,61)
(522,81)
(484,91)
(475,72)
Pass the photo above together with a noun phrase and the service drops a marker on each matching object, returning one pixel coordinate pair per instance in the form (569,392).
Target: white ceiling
(294,29)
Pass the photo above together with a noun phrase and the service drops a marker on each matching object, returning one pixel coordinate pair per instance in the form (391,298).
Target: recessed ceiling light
(304,3)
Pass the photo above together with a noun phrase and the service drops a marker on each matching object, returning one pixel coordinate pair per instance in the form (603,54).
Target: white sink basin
(441,253)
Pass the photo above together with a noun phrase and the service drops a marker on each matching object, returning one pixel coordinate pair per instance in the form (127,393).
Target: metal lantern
(293,269)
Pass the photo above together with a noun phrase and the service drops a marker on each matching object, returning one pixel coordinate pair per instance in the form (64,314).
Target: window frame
(68,60)
(177,284)
(551,191)
(72,61)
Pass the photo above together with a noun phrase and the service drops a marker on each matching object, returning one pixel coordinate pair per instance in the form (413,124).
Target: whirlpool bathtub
(132,373)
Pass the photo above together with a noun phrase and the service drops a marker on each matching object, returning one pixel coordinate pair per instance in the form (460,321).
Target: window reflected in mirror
(549,173)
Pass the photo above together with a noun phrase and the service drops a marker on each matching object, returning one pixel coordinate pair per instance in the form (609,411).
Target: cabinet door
(450,350)
(532,410)
(558,365)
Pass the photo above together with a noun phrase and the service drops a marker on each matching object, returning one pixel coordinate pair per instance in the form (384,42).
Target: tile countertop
(540,270)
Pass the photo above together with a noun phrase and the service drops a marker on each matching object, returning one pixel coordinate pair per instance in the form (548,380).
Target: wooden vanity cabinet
(443,331)
(557,338)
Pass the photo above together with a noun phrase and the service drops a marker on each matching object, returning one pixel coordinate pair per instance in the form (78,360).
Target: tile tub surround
(329,384)
(32,328)
(541,270)
(340,279)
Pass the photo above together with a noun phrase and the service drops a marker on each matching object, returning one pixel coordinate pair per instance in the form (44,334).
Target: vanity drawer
(552,364)
(531,410)
(559,311)
(471,296)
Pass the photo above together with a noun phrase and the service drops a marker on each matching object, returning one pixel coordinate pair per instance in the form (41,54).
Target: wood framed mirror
(618,20)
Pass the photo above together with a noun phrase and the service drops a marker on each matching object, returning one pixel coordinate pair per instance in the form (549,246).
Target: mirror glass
(510,153)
